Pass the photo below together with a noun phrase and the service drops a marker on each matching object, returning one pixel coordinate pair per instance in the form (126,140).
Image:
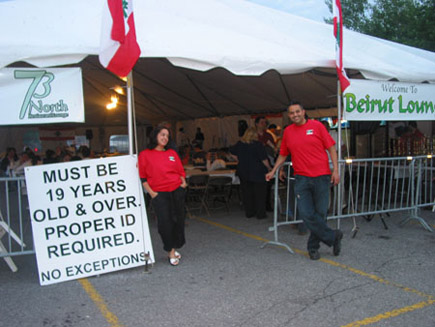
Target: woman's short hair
(250,135)
(153,137)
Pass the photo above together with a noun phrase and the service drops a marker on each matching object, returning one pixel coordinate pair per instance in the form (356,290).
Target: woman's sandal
(177,255)
(174,261)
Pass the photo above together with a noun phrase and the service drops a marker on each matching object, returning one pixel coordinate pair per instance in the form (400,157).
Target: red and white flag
(119,49)
(338,34)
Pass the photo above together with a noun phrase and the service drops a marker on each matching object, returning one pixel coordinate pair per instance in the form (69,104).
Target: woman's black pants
(170,212)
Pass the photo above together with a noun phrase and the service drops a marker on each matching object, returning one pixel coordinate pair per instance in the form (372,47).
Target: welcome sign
(41,96)
(88,217)
(377,100)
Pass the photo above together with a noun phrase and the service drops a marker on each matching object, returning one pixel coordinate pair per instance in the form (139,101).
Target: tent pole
(339,119)
(340,186)
(130,111)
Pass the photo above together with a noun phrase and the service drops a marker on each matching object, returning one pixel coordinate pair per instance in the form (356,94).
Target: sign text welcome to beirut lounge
(376,100)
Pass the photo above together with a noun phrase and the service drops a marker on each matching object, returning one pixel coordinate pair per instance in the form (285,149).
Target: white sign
(376,100)
(41,96)
(88,218)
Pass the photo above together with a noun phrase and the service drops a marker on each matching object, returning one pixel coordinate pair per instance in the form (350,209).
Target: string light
(113,104)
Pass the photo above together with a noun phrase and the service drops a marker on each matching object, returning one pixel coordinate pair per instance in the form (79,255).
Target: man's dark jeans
(312,194)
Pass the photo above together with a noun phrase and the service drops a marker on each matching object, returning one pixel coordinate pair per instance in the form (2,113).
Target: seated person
(50,157)
(198,156)
(227,156)
(84,152)
(215,161)
(8,160)
(25,160)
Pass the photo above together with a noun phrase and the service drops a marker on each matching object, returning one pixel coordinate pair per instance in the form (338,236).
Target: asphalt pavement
(383,277)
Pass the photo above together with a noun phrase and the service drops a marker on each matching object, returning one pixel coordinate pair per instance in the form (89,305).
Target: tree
(410,22)
(355,13)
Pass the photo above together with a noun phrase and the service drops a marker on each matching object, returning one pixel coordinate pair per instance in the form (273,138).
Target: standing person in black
(252,166)
(199,138)
(267,140)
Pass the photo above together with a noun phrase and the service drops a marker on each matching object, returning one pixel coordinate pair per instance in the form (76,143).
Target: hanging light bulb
(119,90)
(111,106)
(114,99)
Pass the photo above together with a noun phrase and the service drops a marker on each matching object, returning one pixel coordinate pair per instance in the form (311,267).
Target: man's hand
(278,164)
(269,175)
(335,178)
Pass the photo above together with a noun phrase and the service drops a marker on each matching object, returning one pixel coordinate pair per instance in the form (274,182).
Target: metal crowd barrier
(368,187)
(15,227)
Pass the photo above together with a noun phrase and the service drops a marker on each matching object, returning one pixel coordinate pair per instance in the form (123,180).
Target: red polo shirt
(307,145)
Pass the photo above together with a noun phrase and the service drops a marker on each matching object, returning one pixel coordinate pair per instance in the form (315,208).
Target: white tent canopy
(203,58)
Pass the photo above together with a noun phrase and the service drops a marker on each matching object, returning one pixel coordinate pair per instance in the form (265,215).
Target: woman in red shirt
(164,179)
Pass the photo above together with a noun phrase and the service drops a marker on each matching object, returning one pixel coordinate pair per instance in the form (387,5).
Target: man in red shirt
(263,136)
(306,140)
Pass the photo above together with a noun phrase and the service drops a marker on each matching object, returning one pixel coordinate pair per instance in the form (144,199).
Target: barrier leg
(419,219)
(275,221)
(8,260)
(414,216)
(4,228)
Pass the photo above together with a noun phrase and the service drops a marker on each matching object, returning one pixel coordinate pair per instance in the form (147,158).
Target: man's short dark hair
(86,152)
(258,119)
(295,102)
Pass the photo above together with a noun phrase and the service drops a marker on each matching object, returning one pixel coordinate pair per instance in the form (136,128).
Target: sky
(312,9)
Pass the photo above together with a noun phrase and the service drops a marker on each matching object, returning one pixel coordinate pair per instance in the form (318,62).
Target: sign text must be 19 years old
(88,213)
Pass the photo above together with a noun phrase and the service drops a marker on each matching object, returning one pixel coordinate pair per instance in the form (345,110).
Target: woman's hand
(149,190)
(183,182)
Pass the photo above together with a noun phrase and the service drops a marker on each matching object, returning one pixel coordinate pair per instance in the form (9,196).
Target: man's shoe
(314,254)
(336,248)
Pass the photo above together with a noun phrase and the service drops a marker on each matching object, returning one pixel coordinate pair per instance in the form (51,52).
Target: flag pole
(130,105)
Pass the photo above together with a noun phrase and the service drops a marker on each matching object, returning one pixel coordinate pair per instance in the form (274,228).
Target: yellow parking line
(255,237)
(364,322)
(110,317)
(390,314)
(378,279)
